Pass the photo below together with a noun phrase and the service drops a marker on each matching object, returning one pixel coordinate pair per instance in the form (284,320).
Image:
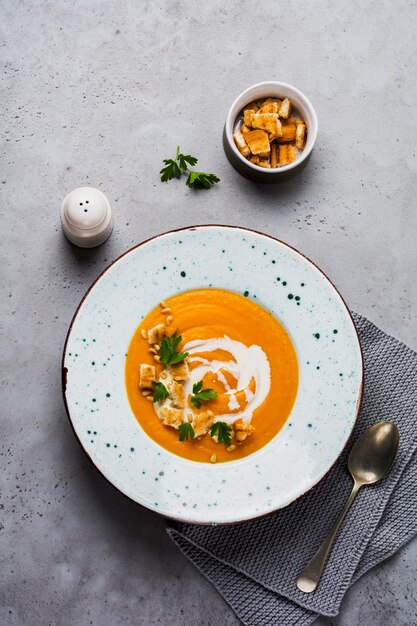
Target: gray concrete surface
(99,93)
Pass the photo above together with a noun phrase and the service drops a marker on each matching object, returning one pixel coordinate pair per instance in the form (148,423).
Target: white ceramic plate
(281,280)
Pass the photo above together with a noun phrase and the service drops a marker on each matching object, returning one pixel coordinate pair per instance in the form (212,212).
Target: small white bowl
(270,89)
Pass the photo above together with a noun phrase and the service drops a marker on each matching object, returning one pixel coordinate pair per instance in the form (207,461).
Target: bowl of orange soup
(212,374)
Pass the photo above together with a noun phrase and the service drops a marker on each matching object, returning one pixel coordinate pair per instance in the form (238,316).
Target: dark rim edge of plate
(64,372)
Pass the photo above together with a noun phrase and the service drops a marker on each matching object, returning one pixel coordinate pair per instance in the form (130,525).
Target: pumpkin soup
(210,375)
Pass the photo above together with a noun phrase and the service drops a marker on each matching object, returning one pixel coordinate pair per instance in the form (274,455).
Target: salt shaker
(86,217)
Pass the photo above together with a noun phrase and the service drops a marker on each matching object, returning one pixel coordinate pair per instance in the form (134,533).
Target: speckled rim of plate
(212,513)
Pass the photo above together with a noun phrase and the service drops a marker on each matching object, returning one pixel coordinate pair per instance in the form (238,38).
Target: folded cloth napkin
(255,565)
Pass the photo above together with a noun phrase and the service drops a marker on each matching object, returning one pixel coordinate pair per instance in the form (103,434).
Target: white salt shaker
(86,217)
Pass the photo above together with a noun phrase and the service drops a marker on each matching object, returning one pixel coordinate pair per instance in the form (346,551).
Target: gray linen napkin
(255,565)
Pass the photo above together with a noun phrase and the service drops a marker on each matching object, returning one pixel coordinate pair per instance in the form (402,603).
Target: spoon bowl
(374,453)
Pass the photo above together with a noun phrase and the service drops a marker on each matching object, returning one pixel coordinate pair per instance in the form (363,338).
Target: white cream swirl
(249,362)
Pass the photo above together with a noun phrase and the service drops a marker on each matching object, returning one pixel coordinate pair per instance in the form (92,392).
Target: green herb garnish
(201,180)
(200,394)
(185,160)
(168,353)
(186,431)
(161,393)
(222,431)
(174,168)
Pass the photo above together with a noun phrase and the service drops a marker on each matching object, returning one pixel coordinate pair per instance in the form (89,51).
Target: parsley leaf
(168,353)
(222,431)
(201,180)
(170,171)
(186,431)
(161,392)
(174,168)
(201,394)
(184,159)
(197,387)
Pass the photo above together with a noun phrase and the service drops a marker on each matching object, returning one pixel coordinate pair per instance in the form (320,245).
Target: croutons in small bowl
(270,132)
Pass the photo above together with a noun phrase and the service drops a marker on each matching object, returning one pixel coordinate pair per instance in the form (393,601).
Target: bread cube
(177,394)
(287,154)
(170,416)
(202,423)
(285,108)
(180,371)
(156,333)
(300,135)
(288,128)
(274,157)
(247,116)
(241,143)
(270,107)
(258,141)
(268,122)
(146,376)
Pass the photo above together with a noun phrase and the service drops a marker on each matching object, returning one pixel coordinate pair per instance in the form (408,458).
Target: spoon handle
(309,578)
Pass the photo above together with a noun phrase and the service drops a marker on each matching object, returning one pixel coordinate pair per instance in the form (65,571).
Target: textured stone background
(98,93)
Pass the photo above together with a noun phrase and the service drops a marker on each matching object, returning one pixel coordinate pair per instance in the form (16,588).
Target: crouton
(180,371)
(254,159)
(257,141)
(274,150)
(285,108)
(241,144)
(202,423)
(170,417)
(287,154)
(146,376)
(270,107)
(247,116)
(177,394)
(270,100)
(245,129)
(288,130)
(268,122)
(300,135)
(156,333)
(264,163)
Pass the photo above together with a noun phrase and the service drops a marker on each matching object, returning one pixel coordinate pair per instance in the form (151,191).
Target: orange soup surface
(239,350)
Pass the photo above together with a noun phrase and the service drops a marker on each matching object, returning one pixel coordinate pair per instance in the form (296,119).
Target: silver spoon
(370,459)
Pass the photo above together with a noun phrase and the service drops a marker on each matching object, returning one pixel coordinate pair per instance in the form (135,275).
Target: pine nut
(166,311)
(152,350)
(157,347)
(231,448)
(146,392)
(163,304)
(157,358)
(169,320)
(144,333)
(213,458)
(150,398)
